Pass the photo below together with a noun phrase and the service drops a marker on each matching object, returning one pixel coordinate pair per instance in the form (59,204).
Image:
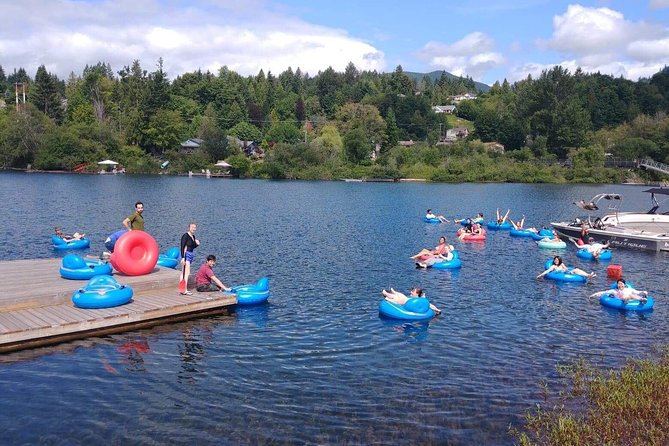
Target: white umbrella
(108,163)
(222,164)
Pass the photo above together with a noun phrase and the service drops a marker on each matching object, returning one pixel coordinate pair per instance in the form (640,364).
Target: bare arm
(552,268)
(601,293)
(219,283)
(126,223)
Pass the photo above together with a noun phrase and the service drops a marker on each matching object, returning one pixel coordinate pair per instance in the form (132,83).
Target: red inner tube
(135,253)
(472,237)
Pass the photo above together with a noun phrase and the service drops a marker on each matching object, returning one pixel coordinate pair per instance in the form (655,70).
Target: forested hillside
(328,125)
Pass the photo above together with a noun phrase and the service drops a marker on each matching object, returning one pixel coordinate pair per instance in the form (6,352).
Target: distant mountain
(436,75)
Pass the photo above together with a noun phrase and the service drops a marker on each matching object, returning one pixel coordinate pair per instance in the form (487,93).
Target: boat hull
(617,237)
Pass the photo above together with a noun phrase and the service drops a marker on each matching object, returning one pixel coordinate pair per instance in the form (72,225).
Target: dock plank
(47,316)
(36,307)
(38,321)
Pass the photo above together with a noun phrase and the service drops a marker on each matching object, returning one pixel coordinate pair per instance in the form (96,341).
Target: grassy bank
(629,406)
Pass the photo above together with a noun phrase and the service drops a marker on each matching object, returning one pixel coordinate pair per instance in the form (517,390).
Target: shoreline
(348,180)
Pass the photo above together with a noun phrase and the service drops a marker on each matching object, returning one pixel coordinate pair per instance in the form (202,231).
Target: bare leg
(580,272)
(423,252)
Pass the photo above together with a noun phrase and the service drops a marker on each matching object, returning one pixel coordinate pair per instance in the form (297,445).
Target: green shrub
(604,407)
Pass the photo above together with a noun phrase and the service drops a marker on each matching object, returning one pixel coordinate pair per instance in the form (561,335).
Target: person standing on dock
(136,220)
(206,280)
(188,244)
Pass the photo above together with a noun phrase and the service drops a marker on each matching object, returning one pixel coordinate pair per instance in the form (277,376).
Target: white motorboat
(636,230)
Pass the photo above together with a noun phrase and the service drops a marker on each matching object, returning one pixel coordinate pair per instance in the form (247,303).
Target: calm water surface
(317,365)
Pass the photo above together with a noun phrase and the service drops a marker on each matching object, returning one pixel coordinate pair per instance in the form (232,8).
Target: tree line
(328,125)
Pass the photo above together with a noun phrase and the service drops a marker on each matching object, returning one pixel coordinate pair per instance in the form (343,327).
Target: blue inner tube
(610,301)
(495,226)
(416,309)
(77,268)
(170,259)
(431,220)
(254,293)
(454,263)
(546,233)
(584,254)
(520,233)
(110,242)
(252,298)
(167,262)
(548,244)
(60,244)
(562,276)
(538,237)
(102,292)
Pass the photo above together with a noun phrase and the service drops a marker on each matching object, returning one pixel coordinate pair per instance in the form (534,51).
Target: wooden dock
(36,305)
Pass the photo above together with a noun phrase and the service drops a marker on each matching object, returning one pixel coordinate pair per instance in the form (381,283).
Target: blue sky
(487,40)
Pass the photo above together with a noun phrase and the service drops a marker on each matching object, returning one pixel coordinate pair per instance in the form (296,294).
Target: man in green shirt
(135,221)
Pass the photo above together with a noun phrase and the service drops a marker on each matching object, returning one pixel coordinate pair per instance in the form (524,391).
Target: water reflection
(255,314)
(132,353)
(317,365)
(193,351)
(414,331)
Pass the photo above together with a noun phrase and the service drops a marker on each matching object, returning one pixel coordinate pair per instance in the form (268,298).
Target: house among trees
(191,145)
(463,97)
(450,109)
(456,133)
(249,148)
(408,143)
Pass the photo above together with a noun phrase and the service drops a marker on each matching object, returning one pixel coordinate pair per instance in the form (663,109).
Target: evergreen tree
(392,134)
(215,142)
(45,95)
(3,81)
(299,110)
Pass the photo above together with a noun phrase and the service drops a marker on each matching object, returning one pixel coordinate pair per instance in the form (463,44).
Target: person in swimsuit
(400,299)
(188,244)
(624,293)
(560,267)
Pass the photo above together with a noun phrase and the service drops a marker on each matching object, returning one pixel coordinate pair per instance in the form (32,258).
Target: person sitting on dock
(206,280)
(400,299)
(624,293)
(431,216)
(68,238)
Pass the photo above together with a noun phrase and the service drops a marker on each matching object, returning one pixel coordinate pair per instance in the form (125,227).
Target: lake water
(317,365)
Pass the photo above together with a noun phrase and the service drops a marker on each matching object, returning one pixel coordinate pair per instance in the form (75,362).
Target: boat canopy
(658,190)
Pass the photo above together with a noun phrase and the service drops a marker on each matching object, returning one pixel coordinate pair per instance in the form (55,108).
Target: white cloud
(602,40)
(66,35)
(649,50)
(473,55)
(633,70)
